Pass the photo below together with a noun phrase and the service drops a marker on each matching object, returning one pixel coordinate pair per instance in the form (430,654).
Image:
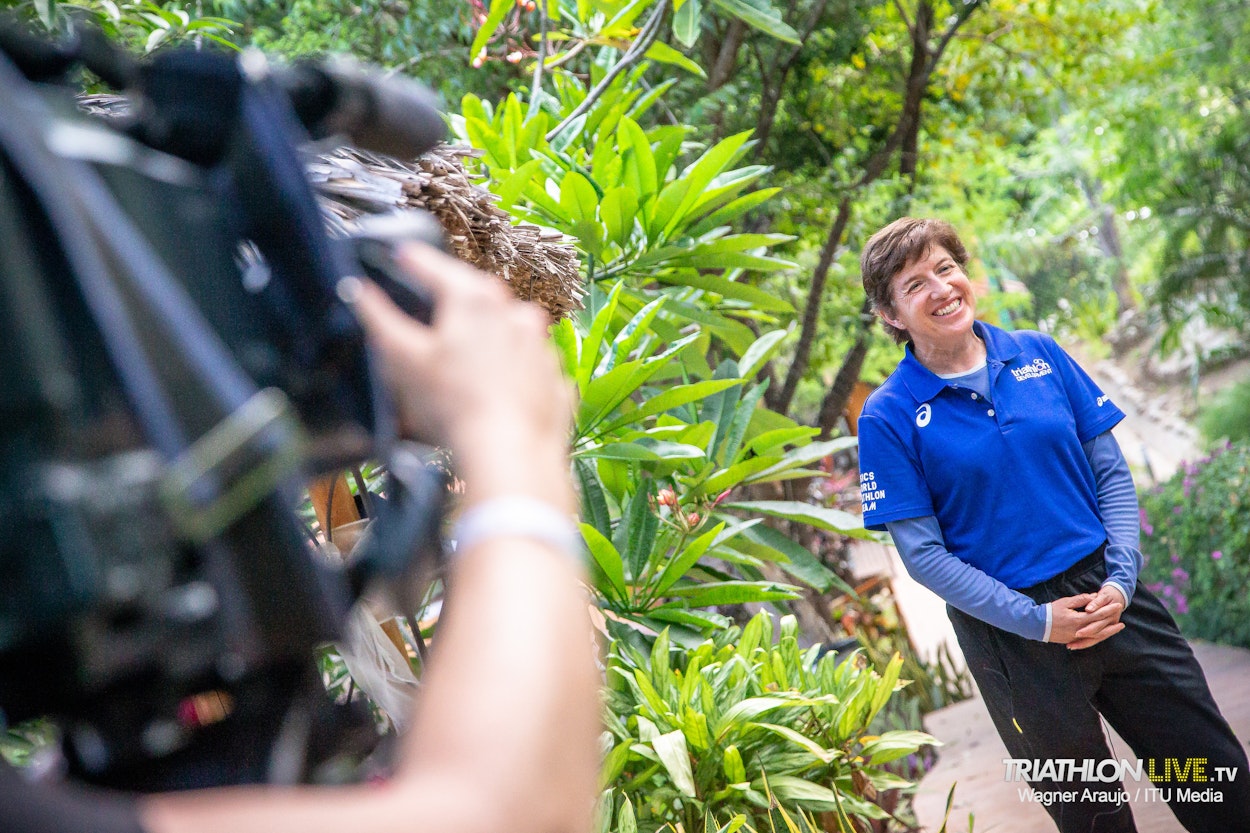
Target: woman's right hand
(482,380)
(1068,615)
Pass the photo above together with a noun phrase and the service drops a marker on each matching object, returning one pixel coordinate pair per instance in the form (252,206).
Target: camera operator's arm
(504,735)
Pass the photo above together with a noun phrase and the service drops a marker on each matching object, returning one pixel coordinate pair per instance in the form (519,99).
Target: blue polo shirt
(1007,479)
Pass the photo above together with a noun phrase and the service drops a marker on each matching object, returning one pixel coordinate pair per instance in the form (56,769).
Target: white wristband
(518,517)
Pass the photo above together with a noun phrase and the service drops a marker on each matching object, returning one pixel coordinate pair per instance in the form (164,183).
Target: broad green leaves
(661,442)
(728,723)
(635,211)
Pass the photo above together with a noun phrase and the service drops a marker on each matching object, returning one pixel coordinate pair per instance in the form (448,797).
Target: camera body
(183,357)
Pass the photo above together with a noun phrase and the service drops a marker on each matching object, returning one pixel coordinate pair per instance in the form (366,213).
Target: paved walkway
(971,759)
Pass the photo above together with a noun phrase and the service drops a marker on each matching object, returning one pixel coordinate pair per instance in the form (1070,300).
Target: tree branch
(537,85)
(903,14)
(960,20)
(650,30)
(923,63)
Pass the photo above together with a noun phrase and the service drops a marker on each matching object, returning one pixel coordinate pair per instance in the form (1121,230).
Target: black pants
(1045,701)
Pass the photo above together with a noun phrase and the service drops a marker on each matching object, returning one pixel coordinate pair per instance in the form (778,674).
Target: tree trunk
(811,311)
(834,403)
(923,61)
(726,56)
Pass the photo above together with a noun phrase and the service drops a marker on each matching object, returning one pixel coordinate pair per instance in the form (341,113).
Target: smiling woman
(1007,495)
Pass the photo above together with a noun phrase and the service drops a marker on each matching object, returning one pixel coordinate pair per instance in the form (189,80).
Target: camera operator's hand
(505,727)
(482,380)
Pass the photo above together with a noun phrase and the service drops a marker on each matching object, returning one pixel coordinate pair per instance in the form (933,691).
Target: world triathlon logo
(1038,369)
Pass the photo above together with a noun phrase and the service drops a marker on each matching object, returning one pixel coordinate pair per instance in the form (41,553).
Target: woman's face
(931,298)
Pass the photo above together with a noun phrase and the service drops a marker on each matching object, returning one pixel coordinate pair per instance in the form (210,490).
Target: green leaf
(732,476)
(678,566)
(635,534)
(735,334)
(640,172)
(816,750)
(661,672)
(731,764)
(675,756)
(594,339)
(498,10)
(511,188)
(687,21)
(625,821)
(730,211)
(617,451)
(665,54)
(703,620)
(821,517)
(632,333)
(747,710)
(668,450)
(594,504)
(734,592)
(885,686)
(789,788)
(800,562)
(564,339)
(673,397)
(729,289)
(606,557)
(578,197)
(667,209)
(701,173)
(770,440)
(798,457)
(738,427)
(733,260)
(647,101)
(614,765)
(759,352)
(618,210)
(896,744)
(605,393)
(767,19)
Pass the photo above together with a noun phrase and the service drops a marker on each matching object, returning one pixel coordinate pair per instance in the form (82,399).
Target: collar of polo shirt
(923,384)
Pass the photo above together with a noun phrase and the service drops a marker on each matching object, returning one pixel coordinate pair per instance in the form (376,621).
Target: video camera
(182,355)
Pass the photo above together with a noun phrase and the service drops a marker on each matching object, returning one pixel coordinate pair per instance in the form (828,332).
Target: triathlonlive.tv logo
(1166,779)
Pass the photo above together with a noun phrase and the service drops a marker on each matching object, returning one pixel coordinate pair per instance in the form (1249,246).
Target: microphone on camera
(392,115)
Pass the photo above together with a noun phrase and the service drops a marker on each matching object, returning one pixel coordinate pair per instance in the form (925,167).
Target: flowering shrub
(1196,540)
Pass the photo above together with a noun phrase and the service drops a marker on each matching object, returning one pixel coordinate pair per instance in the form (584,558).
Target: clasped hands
(1086,619)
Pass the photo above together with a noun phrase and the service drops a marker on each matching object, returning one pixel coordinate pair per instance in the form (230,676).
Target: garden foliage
(744,723)
(1196,540)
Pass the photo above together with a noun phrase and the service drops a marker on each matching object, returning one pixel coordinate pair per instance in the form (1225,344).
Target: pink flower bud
(721,497)
(692,520)
(514,57)
(666,497)
(478,61)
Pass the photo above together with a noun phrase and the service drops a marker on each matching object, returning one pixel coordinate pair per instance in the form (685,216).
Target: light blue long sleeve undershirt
(923,550)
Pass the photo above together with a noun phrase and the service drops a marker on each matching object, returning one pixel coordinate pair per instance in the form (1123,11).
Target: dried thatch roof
(535,262)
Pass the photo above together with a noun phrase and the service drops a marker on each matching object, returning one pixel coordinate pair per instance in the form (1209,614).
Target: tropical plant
(1196,539)
(141,25)
(743,723)
(658,453)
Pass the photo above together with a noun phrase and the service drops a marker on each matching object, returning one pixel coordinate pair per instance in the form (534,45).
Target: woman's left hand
(1104,609)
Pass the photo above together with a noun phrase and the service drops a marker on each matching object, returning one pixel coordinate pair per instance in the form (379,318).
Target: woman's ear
(885,316)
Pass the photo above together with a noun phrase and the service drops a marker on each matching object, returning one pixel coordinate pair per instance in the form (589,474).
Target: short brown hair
(891,249)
